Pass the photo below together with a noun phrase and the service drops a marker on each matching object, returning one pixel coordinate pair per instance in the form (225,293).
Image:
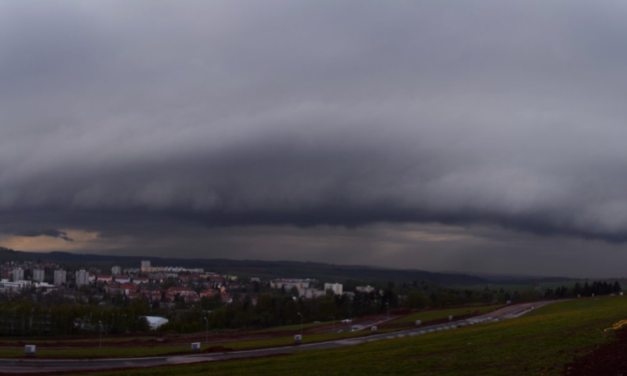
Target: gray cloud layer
(316,113)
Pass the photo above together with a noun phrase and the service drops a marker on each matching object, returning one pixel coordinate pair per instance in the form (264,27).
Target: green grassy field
(124,352)
(497,286)
(539,343)
(444,313)
(289,328)
(70,341)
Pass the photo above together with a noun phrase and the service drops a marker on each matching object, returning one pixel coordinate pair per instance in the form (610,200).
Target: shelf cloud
(314,114)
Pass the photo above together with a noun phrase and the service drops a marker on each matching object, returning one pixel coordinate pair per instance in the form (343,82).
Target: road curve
(33,366)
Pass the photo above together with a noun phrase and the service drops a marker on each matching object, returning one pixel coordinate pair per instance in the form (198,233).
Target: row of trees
(51,316)
(596,288)
(25,318)
(286,308)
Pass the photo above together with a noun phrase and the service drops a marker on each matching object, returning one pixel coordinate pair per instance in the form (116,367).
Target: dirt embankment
(607,360)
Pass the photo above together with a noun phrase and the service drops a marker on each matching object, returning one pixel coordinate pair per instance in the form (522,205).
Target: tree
(616,288)
(417,300)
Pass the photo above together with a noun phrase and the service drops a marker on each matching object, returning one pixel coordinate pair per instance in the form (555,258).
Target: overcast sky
(479,136)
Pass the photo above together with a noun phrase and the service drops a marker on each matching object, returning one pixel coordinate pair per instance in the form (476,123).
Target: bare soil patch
(608,360)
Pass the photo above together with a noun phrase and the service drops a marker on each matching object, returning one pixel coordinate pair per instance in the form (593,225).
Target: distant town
(162,284)
(167,290)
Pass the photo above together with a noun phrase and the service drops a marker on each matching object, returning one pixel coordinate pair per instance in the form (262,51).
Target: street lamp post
(301,323)
(206,330)
(100,326)
(388,309)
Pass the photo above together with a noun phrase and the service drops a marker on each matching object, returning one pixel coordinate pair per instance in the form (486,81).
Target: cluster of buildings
(156,284)
(166,285)
(147,268)
(306,287)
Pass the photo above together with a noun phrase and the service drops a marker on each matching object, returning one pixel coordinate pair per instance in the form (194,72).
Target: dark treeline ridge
(25,318)
(594,289)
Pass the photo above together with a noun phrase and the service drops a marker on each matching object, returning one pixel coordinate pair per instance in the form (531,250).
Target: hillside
(253,268)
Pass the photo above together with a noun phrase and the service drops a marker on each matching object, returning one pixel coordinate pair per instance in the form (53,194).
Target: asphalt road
(31,366)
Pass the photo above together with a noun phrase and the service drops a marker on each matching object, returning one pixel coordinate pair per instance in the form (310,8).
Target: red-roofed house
(103,278)
(114,288)
(122,278)
(128,287)
(153,295)
(140,280)
(134,294)
(184,292)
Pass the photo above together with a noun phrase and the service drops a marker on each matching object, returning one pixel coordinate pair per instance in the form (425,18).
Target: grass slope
(289,328)
(539,343)
(425,316)
(142,351)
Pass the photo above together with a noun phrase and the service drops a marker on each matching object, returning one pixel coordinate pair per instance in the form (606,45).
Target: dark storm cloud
(314,113)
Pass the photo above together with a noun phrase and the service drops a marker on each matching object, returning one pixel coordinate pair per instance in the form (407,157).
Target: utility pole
(100,325)
(206,330)
(301,323)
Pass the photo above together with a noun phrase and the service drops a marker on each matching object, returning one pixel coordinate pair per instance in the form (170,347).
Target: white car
(347,320)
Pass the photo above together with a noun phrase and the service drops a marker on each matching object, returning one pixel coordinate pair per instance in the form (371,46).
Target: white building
(59,277)
(82,277)
(146,266)
(310,293)
(17,274)
(335,287)
(122,279)
(116,270)
(6,286)
(140,280)
(38,275)
(180,269)
(367,289)
(288,284)
(44,286)
(156,321)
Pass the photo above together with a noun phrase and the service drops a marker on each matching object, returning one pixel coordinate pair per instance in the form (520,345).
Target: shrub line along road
(59,365)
